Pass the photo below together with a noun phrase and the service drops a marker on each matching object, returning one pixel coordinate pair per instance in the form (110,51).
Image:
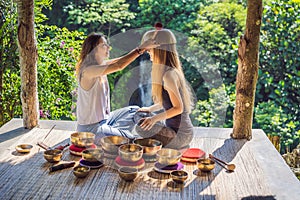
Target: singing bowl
(167,156)
(53,155)
(24,148)
(150,146)
(111,144)
(92,155)
(128,173)
(81,171)
(205,164)
(83,139)
(131,152)
(179,176)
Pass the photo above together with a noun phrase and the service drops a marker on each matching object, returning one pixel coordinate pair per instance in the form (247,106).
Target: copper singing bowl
(150,146)
(179,176)
(24,148)
(128,173)
(131,152)
(83,139)
(53,155)
(205,164)
(92,155)
(167,156)
(81,171)
(111,144)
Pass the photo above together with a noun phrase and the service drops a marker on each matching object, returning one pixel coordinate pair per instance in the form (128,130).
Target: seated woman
(93,101)
(171,94)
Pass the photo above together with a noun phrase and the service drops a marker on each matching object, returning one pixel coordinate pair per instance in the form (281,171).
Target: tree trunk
(247,72)
(28,62)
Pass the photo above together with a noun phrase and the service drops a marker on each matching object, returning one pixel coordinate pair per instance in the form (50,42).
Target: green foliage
(279,77)
(9,63)
(216,30)
(212,112)
(58,52)
(175,15)
(99,16)
(273,120)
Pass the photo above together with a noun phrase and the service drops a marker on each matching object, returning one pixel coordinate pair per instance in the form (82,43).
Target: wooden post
(247,72)
(28,62)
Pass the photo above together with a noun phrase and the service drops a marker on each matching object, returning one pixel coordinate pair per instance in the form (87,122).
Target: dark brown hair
(87,56)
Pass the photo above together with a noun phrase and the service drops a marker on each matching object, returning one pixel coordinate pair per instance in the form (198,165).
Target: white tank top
(93,105)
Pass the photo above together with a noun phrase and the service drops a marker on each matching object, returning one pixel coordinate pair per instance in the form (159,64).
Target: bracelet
(139,51)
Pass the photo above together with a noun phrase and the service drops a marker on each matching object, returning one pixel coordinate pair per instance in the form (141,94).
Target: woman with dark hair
(171,95)
(93,101)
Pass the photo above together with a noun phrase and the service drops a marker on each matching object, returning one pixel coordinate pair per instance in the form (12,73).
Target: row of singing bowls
(92,155)
(82,139)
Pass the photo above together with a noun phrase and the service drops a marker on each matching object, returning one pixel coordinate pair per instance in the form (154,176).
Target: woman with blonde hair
(93,100)
(171,94)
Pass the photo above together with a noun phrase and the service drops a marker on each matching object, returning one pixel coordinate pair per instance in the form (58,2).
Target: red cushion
(193,153)
(121,162)
(80,149)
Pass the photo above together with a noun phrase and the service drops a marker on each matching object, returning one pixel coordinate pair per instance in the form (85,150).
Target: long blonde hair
(165,57)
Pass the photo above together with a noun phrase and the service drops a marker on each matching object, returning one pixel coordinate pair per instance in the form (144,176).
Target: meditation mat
(169,168)
(92,165)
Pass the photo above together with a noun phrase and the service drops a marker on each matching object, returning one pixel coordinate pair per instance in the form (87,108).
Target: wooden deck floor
(261,173)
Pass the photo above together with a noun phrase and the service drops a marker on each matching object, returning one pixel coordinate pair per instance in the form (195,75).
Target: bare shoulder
(170,76)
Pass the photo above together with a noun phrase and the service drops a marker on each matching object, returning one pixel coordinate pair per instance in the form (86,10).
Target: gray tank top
(179,121)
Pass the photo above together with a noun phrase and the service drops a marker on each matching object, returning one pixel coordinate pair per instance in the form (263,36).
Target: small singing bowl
(167,156)
(81,171)
(24,148)
(128,173)
(53,155)
(205,164)
(82,139)
(111,144)
(179,176)
(92,155)
(150,146)
(131,152)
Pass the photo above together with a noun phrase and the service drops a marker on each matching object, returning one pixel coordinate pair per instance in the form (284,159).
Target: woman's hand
(144,109)
(147,123)
(148,44)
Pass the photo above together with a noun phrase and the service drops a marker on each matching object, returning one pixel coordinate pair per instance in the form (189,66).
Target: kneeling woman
(170,92)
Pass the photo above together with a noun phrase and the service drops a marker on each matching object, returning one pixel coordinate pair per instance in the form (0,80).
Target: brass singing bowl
(131,152)
(81,171)
(111,144)
(150,146)
(82,139)
(128,173)
(167,156)
(24,148)
(92,155)
(53,155)
(179,176)
(205,164)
